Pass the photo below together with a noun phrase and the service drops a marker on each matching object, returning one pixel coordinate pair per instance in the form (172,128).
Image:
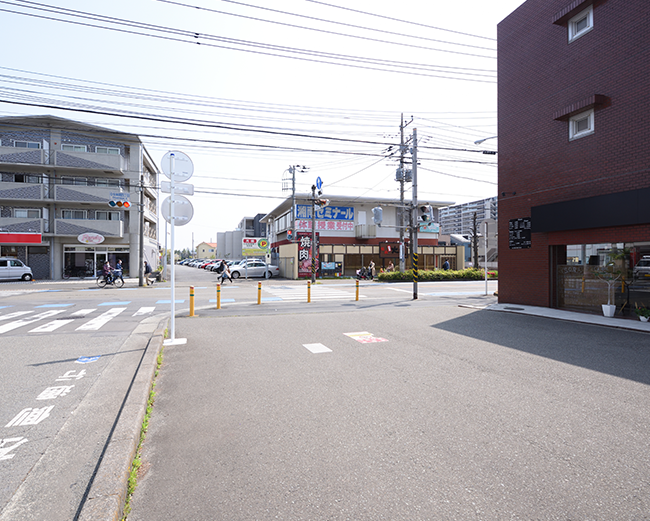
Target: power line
(195,38)
(330,22)
(396,20)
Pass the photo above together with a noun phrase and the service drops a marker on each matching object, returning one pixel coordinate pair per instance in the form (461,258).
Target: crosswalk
(25,320)
(299,293)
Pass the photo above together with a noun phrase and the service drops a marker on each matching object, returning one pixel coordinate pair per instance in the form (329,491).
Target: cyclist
(108,277)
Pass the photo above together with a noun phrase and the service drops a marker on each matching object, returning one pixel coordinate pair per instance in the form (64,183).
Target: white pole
(172,164)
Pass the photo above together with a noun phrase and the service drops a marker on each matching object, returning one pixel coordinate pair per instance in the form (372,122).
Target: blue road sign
(319,183)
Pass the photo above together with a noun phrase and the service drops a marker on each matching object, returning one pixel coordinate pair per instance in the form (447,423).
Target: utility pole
(141,247)
(313,234)
(414,223)
(402,263)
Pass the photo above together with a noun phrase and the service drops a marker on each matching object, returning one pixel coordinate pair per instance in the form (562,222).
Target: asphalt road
(71,350)
(438,412)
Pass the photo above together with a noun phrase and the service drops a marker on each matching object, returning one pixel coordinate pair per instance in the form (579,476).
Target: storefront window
(589,275)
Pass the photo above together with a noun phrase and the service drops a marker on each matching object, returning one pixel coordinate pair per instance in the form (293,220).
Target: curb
(107,495)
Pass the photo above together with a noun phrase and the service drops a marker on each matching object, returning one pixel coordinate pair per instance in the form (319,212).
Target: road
(411,410)
(70,351)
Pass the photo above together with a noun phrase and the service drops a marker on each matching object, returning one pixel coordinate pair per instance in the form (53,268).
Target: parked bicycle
(71,271)
(112,279)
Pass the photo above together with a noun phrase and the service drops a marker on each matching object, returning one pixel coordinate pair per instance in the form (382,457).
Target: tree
(474,234)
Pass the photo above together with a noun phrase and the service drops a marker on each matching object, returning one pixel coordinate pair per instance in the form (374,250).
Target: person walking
(371,267)
(391,266)
(445,266)
(225,273)
(119,269)
(147,272)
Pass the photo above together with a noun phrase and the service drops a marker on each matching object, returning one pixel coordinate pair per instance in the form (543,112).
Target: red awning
(20,238)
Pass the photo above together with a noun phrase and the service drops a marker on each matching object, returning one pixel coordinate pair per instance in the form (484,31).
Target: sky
(248,88)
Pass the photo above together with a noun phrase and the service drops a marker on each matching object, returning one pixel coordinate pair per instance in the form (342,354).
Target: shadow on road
(625,354)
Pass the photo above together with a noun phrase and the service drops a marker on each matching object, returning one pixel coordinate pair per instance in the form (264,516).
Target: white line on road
(317,348)
(26,321)
(143,311)
(104,318)
(51,326)
(15,314)
(82,312)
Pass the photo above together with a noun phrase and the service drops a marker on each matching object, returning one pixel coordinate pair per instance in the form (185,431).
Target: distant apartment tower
(57,178)
(458,219)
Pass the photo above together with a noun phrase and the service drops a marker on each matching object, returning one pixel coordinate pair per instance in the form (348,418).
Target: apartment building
(69,195)
(458,219)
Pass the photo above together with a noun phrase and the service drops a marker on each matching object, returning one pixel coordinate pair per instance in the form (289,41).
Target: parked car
(253,268)
(11,268)
(642,269)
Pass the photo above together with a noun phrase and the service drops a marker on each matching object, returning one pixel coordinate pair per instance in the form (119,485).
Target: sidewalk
(572,316)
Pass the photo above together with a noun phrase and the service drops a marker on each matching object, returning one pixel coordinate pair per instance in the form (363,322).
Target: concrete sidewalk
(572,316)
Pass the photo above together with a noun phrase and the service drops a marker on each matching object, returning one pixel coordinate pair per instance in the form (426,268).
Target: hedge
(425,276)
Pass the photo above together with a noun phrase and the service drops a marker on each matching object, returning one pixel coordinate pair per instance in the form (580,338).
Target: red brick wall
(540,73)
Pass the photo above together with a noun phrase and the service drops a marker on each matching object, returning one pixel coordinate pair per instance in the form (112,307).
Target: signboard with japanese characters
(304,254)
(255,246)
(519,236)
(327,213)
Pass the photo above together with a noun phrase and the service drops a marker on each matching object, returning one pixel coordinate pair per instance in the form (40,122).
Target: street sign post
(178,167)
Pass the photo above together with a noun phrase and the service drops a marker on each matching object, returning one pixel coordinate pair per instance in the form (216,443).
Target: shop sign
(324,226)
(519,236)
(429,227)
(254,246)
(90,238)
(333,213)
(304,254)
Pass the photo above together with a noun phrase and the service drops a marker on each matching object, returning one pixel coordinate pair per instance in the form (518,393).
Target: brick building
(574,159)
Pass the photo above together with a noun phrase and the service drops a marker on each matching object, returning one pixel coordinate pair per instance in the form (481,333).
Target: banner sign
(334,213)
(254,246)
(304,254)
(519,236)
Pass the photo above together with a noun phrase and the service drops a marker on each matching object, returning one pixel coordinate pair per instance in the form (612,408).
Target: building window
(102,215)
(581,125)
(74,148)
(107,150)
(79,181)
(73,214)
(24,178)
(27,144)
(27,213)
(581,23)
(102,181)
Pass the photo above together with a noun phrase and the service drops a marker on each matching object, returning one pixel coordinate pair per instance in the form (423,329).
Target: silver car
(11,268)
(253,268)
(642,269)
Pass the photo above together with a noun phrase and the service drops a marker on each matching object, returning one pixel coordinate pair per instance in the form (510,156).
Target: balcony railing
(75,227)
(22,191)
(23,225)
(63,159)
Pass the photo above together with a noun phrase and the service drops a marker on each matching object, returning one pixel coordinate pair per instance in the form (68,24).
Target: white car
(253,268)
(11,268)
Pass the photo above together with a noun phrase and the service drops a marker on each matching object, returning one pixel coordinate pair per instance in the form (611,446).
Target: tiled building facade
(57,177)
(574,174)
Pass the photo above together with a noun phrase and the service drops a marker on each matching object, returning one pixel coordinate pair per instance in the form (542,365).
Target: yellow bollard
(308,291)
(259,292)
(218,296)
(191,301)
(357,298)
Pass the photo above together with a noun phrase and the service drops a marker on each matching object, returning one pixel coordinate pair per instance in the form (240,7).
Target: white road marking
(97,322)
(143,311)
(51,326)
(317,348)
(26,321)
(15,314)
(82,312)
(317,293)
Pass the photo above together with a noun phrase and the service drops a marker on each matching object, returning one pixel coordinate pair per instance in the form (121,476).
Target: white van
(11,268)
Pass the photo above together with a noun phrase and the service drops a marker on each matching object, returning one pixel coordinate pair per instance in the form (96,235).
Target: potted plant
(643,313)
(609,276)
